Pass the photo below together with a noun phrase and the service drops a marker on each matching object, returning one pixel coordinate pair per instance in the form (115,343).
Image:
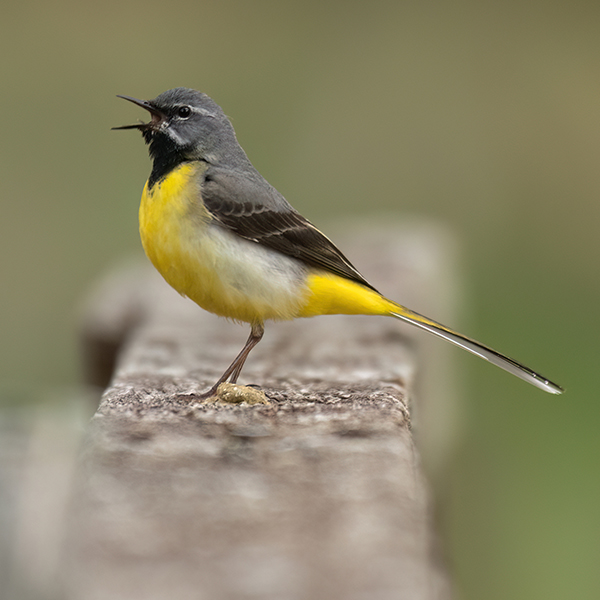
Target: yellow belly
(231,276)
(221,272)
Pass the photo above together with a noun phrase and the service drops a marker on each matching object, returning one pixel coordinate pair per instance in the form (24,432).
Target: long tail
(504,362)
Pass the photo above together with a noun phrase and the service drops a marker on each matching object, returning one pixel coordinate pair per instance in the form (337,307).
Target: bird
(221,235)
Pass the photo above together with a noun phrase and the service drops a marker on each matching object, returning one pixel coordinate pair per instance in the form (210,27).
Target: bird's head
(185,125)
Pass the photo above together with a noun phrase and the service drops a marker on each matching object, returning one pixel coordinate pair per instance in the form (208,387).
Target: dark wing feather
(245,203)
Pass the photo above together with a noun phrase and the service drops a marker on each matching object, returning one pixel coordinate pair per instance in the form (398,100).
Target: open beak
(158,118)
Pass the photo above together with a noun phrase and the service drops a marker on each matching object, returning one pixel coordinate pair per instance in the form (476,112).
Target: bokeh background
(483,116)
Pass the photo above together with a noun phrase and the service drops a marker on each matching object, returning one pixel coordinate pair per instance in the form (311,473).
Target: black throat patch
(165,155)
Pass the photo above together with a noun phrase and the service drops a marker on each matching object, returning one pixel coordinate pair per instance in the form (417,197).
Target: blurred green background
(484,116)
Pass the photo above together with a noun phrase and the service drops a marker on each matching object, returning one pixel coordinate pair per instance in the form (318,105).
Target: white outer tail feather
(504,362)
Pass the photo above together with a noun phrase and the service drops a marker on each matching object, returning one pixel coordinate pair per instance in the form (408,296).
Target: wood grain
(318,494)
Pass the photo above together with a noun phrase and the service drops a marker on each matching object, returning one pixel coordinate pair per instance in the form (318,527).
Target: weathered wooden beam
(318,494)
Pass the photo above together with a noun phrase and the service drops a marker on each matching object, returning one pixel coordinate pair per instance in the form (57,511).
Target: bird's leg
(234,369)
(256,333)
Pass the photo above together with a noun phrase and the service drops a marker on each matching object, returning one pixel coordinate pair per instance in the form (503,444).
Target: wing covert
(248,205)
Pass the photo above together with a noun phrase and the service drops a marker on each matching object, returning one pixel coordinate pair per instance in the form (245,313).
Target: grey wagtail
(221,235)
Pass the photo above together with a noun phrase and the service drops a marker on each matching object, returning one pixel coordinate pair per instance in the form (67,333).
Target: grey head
(187,125)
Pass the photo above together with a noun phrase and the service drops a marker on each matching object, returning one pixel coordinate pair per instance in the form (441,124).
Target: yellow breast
(221,272)
(170,216)
(231,276)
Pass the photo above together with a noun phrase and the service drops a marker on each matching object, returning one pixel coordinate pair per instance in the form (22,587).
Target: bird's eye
(184,112)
